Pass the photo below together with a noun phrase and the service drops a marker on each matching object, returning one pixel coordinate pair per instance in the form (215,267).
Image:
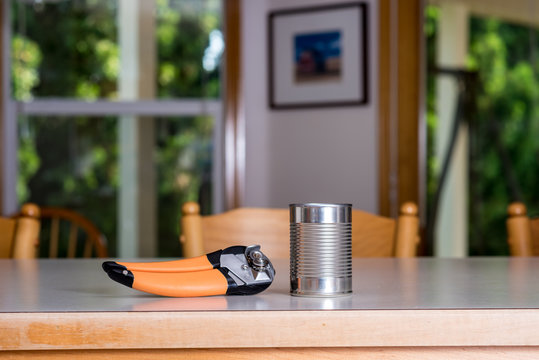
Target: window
(488,55)
(118,113)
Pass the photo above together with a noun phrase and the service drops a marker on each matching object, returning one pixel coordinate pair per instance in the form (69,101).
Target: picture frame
(318,56)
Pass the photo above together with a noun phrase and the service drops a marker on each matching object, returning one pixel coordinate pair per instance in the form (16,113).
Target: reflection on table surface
(424,283)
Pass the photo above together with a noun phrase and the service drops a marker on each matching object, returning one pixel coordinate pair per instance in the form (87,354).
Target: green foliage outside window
(69,49)
(504,138)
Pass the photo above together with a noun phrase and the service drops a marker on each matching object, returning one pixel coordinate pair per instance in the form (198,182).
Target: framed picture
(318,56)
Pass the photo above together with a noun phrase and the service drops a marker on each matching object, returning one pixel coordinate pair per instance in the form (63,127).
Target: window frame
(11,109)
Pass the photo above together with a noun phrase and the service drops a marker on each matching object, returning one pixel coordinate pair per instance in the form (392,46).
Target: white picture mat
(348,89)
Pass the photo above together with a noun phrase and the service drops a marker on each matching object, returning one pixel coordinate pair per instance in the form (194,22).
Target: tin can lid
(320,213)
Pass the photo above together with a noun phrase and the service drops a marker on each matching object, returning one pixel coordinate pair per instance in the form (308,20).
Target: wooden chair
(372,235)
(19,235)
(86,243)
(522,232)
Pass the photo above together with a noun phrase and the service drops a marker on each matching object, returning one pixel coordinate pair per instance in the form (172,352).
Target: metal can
(320,249)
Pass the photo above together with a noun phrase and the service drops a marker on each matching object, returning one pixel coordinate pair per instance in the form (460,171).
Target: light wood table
(415,308)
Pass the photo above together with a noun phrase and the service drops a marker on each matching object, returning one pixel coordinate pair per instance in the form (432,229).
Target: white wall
(319,155)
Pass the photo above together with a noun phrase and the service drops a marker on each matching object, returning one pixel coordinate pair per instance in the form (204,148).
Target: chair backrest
(372,235)
(522,232)
(19,235)
(70,235)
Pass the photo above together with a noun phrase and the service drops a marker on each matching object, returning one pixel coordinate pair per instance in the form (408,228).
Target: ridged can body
(320,249)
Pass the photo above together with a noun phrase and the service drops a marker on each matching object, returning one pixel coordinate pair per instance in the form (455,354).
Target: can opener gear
(236,270)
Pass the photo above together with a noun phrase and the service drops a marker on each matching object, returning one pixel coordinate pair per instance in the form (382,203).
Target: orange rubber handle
(186,284)
(199,263)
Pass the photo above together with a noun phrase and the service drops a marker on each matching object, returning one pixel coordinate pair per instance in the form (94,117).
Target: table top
(378,283)
(427,302)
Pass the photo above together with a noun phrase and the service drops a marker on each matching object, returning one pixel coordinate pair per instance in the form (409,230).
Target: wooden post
(407,234)
(27,233)
(191,225)
(2,120)
(519,230)
(400,25)
(410,24)
(234,119)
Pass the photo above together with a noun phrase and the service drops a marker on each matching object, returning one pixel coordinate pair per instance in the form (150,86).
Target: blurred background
(120,110)
(85,160)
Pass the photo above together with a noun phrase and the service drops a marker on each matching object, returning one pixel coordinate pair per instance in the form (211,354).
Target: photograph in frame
(318,56)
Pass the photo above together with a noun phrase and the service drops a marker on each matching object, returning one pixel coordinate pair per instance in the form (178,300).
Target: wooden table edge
(262,329)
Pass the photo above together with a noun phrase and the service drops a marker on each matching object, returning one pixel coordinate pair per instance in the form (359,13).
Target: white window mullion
(161,108)
(137,231)
(8,127)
